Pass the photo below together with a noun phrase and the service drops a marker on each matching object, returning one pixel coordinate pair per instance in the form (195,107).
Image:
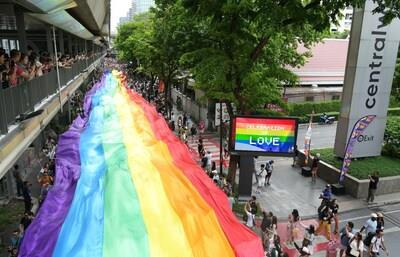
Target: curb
(304,125)
(351,210)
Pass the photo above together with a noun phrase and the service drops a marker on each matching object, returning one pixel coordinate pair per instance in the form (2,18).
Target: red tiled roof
(327,56)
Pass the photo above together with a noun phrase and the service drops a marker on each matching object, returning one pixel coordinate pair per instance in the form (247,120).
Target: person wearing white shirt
(209,157)
(356,246)
(261,178)
(251,212)
(377,243)
(370,225)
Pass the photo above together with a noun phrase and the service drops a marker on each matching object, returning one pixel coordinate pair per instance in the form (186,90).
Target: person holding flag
(307,140)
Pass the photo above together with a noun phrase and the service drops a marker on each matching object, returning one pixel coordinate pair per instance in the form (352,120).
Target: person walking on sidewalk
(179,122)
(269,168)
(334,206)
(200,148)
(295,156)
(293,227)
(373,185)
(184,120)
(380,222)
(377,243)
(304,249)
(209,161)
(193,132)
(18,179)
(26,193)
(356,246)
(261,178)
(314,168)
(325,218)
(370,228)
(346,234)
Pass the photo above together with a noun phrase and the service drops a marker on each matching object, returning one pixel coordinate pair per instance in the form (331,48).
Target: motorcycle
(325,119)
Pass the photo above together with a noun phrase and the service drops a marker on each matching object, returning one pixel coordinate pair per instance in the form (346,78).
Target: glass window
(12,44)
(349,16)
(309,98)
(6,46)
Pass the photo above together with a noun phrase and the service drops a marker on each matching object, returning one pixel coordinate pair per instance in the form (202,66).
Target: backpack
(321,211)
(368,239)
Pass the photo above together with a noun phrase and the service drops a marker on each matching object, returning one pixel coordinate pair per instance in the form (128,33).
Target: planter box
(357,188)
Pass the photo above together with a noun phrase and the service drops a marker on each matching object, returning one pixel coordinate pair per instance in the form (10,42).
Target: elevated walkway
(20,135)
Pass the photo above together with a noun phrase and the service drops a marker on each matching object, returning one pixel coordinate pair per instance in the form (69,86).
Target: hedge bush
(362,167)
(302,109)
(394,111)
(394,102)
(392,137)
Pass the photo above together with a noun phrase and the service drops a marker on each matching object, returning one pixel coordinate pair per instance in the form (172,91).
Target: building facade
(345,22)
(143,5)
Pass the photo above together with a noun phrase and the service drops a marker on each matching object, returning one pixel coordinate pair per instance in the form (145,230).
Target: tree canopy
(238,51)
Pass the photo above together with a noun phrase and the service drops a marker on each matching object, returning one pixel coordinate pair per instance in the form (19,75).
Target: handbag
(354,252)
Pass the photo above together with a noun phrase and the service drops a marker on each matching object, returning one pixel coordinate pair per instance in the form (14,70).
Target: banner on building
(357,132)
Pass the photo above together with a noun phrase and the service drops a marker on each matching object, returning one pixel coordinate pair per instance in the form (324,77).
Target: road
(392,224)
(323,136)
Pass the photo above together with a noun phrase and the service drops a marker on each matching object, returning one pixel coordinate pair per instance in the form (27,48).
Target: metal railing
(23,98)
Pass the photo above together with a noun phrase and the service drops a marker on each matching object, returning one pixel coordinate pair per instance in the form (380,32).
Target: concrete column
(61,41)
(76,45)
(19,15)
(49,42)
(69,43)
(11,192)
(246,177)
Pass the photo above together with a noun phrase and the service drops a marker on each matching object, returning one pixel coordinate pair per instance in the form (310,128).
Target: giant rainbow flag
(126,186)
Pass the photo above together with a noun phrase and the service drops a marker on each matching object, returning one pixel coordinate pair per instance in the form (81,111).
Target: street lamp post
(220,137)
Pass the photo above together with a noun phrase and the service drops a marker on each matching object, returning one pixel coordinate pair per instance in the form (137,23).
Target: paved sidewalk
(290,190)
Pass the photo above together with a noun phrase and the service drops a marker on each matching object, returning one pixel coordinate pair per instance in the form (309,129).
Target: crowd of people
(44,180)
(17,66)
(184,127)
(346,241)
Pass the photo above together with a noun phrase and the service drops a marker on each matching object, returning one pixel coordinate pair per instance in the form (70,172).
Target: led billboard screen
(264,136)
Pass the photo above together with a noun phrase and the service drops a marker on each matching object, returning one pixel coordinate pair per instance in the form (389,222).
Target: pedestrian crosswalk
(211,143)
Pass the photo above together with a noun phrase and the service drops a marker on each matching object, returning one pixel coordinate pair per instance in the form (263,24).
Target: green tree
(134,42)
(396,80)
(239,51)
(338,35)
(169,42)
(250,46)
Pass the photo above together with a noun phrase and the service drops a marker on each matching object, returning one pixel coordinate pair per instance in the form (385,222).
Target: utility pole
(57,69)
(220,137)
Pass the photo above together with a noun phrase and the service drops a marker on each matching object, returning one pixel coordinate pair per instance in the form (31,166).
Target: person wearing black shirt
(27,196)
(314,168)
(296,155)
(25,221)
(380,222)
(334,206)
(373,185)
(325,218)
